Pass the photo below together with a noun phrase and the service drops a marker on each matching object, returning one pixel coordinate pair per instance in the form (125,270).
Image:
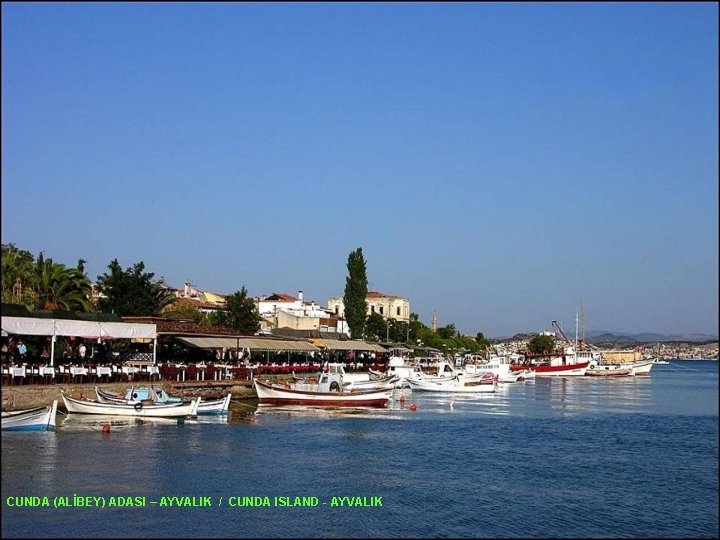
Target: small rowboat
(158,396)
(39,419)
(140,409)
(486,383)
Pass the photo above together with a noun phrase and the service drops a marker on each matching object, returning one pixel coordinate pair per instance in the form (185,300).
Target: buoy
(413,407)
(106,428)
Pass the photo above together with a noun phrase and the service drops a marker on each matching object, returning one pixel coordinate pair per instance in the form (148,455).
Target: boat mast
(576,330)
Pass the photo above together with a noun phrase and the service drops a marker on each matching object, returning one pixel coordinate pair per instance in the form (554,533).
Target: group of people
(14,350)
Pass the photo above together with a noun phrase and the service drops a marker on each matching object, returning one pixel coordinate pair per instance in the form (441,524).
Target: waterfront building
(389,306)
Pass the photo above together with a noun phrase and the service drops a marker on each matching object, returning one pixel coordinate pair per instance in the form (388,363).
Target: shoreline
(30,396)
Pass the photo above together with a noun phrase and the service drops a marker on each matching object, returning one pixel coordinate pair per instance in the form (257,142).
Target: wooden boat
(158,396)
(328,391)
(607,370)
(485,383)
(38,419)
(140,409)
(567,363)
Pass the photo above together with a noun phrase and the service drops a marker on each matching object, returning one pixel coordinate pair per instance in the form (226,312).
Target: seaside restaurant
(88,366)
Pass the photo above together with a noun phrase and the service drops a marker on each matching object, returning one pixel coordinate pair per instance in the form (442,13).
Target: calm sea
(580,458)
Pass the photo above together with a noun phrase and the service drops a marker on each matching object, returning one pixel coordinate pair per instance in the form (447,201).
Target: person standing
(82,350)
(22,350)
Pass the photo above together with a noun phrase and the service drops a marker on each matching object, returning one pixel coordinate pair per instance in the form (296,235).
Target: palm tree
(57,287)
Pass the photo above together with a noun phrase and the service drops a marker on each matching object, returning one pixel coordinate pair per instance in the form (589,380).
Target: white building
(287,311)
(387,305)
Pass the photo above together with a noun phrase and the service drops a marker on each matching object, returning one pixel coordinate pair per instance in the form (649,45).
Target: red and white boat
(555,364)
(329,390)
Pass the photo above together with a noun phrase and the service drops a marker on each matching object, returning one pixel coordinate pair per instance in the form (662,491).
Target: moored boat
(484,383)
(607,370)
(500,366)
(158,396)
(563,364)
(328,391)
(37,419)
(140,409)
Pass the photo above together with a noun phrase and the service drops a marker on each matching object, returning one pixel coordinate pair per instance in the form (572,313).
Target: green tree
(133,291)
(539,344)
(185,312)
(482,341)
(356,290)
(17,269)
(447,332)
(375,327)
(55,286)
(42,283)
(241,313)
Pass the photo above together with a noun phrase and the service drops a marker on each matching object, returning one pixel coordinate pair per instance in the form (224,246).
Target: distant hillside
(600,337)
(647,337)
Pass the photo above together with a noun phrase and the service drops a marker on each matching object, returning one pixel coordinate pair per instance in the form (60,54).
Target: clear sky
(499,164)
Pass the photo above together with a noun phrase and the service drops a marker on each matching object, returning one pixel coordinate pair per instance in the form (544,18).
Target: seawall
(28,396)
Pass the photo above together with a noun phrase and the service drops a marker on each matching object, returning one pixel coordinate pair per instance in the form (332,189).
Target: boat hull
(214,406)
(455,386)
(171,410)
(568,370)
(276,395)
(40,419)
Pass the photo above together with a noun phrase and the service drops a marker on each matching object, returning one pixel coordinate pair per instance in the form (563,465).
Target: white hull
(377,384)
(125,409)
(213,406)
(456,385)
(40,419)
(642,367)
(307,394)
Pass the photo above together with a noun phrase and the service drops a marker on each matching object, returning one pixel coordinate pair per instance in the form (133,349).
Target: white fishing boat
(485,383)
(328,391)
(402,370)
(500,366)
(159,396)
(140,409)
(37,419)
(361,380)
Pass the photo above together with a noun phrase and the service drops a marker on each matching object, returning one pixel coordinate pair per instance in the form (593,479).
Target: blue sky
(499,164)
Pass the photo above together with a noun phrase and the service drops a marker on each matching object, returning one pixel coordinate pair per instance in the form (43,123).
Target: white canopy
(32,326)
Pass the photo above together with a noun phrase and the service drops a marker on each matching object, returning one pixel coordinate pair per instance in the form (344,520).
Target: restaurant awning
(348,345)
(38,326)
(31,326)
(253,344)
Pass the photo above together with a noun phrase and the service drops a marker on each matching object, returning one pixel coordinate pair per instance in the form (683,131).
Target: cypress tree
(355,293)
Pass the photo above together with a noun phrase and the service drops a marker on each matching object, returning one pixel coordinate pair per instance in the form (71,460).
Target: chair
(210,372)
(33,374)
(192,373)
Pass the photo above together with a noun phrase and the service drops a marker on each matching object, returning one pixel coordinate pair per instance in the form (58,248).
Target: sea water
(582,457)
